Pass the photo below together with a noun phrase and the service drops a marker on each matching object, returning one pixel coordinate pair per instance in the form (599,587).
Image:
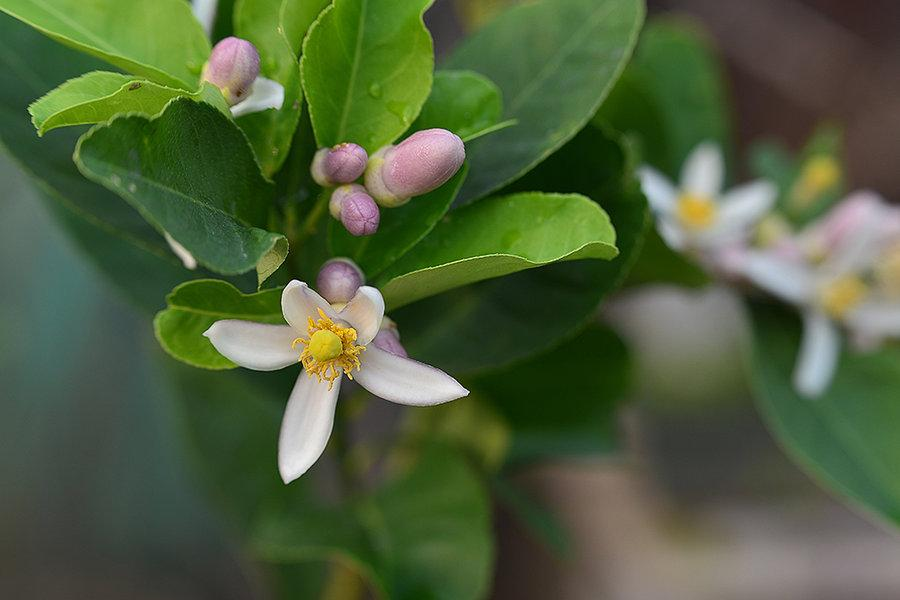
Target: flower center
(329,350)
(696,212)
(843,295)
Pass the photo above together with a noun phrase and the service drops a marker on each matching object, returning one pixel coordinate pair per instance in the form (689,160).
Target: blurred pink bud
(338,280)
(419,164)
(355,209)
(862,213)
(388,339)
(233,66)
(344,163)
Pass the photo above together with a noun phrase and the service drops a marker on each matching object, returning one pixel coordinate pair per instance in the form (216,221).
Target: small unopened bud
(338,280)
(419,164)
(388,338)
(233,66)
(344,163)
(354,207)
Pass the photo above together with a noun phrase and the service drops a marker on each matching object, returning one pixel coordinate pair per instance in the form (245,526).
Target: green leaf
(296,19)
(191,173)
(497,237)
(847,439)
(99,96)
(400,229)
(192,309)
(160,40)
(271,131)
(555,61)
(120,243)
(537,308)
(425,535)
(563,402)
(367,69)
(463,102)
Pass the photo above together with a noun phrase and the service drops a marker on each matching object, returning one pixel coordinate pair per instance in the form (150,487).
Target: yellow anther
(329,350)
(696,212)
(819,175)
(843,295)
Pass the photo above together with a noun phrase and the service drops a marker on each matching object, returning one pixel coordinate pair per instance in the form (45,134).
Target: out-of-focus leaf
(554,61)
(270,131)
(194,306)
(99,96)
(463,102)
(495,323)
(160,40)
(367,69)
(847,439)
(499,236)
(118,240)
(400,229)
(191,173)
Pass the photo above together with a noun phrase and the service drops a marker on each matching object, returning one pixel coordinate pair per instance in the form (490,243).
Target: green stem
(311,224)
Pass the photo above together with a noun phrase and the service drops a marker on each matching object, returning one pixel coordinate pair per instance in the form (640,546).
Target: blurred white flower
(205,11)
(696,215)
(329,343)
(186,258)
(842,270)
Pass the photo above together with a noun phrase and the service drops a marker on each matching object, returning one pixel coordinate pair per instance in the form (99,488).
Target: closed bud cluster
(233,66)
(421,163)
(338,280)
(344,163)
(355,208)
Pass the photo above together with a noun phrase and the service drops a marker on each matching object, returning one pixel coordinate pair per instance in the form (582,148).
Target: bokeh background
(97,500)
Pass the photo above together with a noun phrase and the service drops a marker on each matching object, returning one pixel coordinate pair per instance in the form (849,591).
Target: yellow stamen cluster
(820,174)
(843,295)
(696,212)
(329,350)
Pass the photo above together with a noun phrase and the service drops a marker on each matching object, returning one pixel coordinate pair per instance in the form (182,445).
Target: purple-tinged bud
(423,162)
(388,339)
(338,280)
(344,163)
(232,67)
(355,209)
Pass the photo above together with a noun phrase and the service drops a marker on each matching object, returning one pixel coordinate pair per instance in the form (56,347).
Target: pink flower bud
(233,66)
(861,214)
(419,164)
(355,209)
(344,163)
(338,280)
(388,339)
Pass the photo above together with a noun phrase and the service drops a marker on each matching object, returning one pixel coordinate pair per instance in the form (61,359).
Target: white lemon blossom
(330,342)
(696,216)
(843,270)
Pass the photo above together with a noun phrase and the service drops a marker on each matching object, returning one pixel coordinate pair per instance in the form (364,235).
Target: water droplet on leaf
(375,90)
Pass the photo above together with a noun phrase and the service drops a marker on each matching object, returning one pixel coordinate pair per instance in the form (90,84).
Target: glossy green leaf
(537,308)
(425,535)
(160,40)
(271,131)
(563,402)
(191,173)
(367,69)
(847,439)
(463,102)
(99,96)
(297,18)
(555,61)
(194,306)
(497,237)
(120,243)
(400,229)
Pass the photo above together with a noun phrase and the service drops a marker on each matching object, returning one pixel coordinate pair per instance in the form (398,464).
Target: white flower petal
(876,319)
(743,206)
(306,425)
(704,171)
(181,252)
(299,303)
(364,313)
(254,346)
(660,192)
(819,353)
(404,380)
(674,237)
(205,11)
(789,280)
(264,94)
